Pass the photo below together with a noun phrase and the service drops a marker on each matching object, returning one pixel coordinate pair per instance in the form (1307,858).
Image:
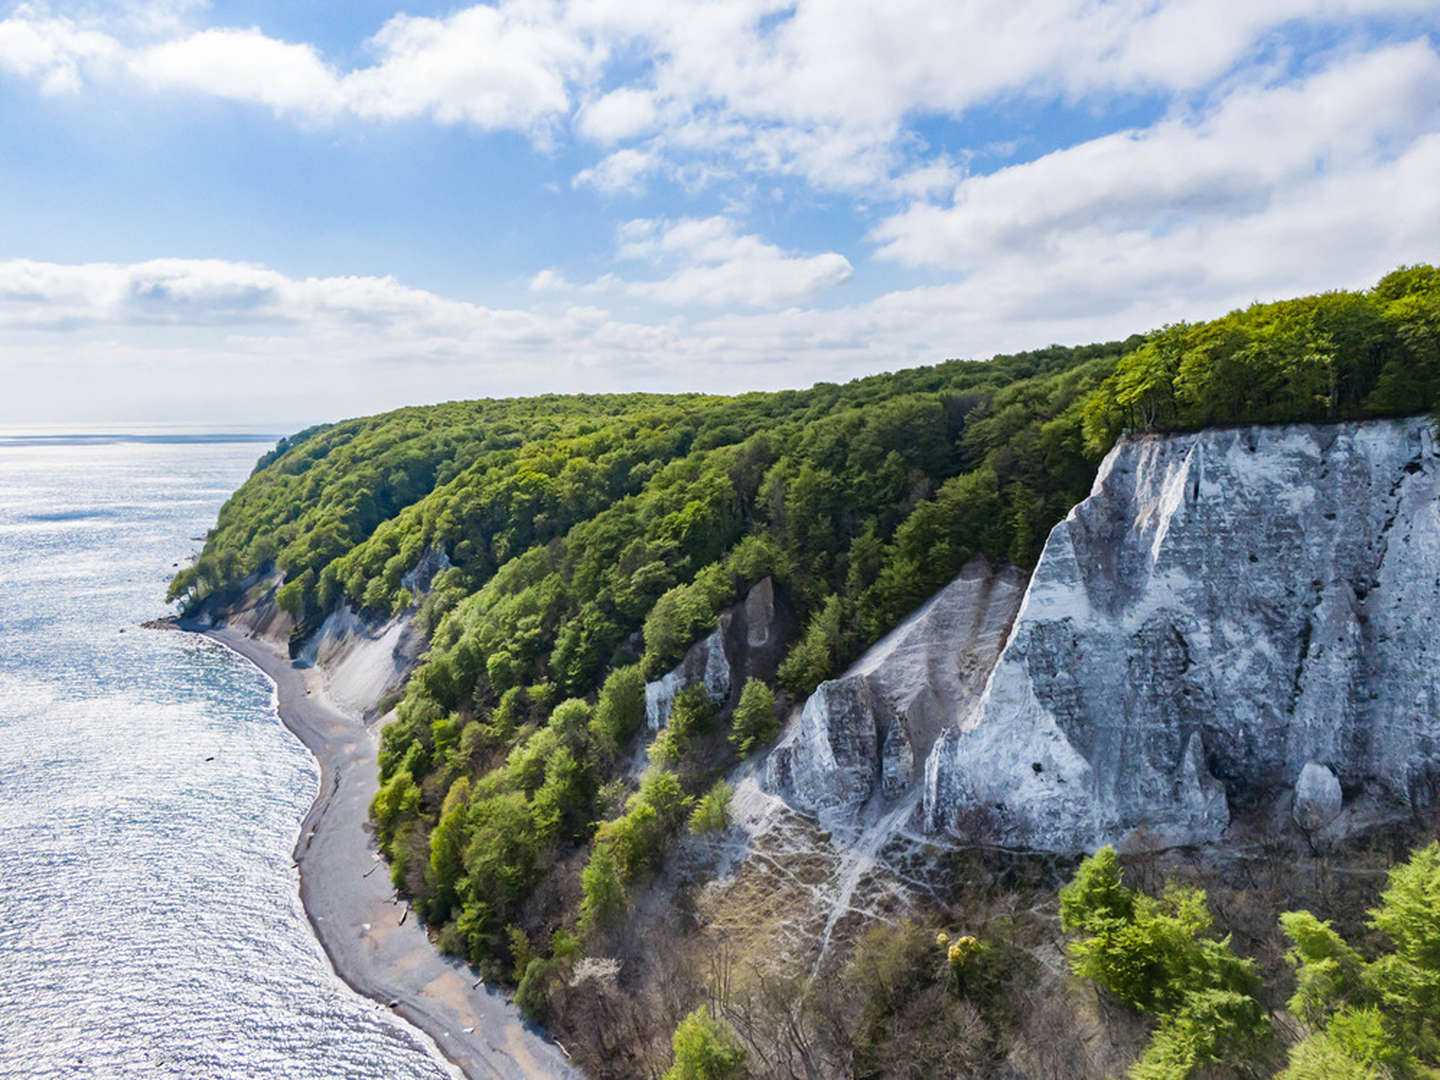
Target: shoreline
(375,944)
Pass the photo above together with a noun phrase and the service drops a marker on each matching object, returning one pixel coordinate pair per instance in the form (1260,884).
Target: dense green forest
(592,539)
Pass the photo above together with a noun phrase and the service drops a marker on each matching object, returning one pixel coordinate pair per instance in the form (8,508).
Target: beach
(375,942)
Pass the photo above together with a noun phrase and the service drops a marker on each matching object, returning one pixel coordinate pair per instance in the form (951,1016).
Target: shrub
(712,812)
(1381,1015)
(693,713)
(604,903)
(1157,956)
(621,708)
(638,839)
(705,1049)
(755,722)
(532,996)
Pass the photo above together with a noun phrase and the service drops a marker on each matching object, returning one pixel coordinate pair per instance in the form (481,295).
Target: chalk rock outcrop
(418,579)
(1224,608)
(1318,798)
(869,731)
(748,642)
(364,663)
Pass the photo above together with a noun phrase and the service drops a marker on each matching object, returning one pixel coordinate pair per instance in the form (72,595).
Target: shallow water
(150,921)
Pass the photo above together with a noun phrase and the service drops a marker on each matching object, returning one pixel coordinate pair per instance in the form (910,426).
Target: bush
(705,1049)
(532,996)
(604,903)
(621,708)
(755,722)
(1157,956)
(693,713)
(712,812)
(639,838)
(1381,1015)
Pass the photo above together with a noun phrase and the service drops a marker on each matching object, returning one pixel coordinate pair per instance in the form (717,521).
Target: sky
(260,215)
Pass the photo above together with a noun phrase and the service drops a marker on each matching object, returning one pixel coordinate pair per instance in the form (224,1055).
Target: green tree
(755,721)
(621,708)
(816,656)
(692,713)
(1379,1017)
(1158,956)
(705,1049)
(447,846)
(712,812)
(604,903)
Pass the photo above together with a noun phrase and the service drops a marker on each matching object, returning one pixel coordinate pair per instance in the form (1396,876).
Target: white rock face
(417,579)
(750,640)
(1318,798)
(361,662)
(705,662)
(1223,609)
(869,731)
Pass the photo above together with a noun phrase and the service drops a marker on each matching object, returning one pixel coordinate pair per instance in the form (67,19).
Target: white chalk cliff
(868,732)
(1226,613)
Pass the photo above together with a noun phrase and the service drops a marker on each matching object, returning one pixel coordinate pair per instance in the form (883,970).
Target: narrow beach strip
(373,941)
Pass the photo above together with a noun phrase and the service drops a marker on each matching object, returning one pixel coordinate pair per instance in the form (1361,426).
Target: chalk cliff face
(868,732)
(1235,622)
(1225,610)
(749,642)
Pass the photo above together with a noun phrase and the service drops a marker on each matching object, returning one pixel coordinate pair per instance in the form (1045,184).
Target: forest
(587,541)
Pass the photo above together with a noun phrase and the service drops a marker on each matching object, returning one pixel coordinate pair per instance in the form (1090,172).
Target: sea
(150,917)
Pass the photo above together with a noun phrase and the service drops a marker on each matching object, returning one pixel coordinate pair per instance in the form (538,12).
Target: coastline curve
(365,930)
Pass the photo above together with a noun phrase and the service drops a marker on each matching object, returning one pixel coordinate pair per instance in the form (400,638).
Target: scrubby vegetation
(1158,957)
(573,547)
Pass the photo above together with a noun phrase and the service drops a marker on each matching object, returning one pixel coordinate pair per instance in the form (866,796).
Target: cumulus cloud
(623,171)
(620,114)
(820,89)
(54,51)
(1257,182)
(549,281)
(243,65)
(709,263)
(509,67)
(246,340)
(504,67)
(1257,147)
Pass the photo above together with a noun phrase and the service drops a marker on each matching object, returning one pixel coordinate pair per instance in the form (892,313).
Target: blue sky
(267,214)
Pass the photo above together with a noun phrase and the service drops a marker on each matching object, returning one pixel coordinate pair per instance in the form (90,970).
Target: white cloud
(620,114)
(549,281)
(710,264)
(1258,148)
(820,89)
(623,171)
(243,65)
(504,67)
(54,51)
(247,341)
(825,89)
(1257,184)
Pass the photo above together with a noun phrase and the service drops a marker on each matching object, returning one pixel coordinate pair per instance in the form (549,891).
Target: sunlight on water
(150,923)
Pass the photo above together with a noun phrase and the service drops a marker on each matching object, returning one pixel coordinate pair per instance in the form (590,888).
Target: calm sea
(150,923)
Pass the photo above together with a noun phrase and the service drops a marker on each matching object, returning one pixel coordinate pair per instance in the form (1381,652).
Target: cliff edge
(1226,610)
